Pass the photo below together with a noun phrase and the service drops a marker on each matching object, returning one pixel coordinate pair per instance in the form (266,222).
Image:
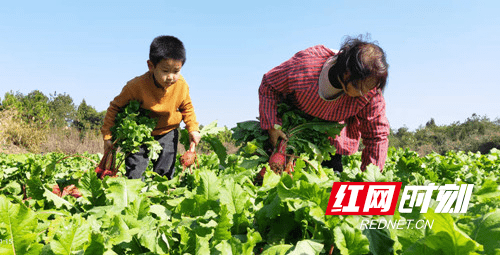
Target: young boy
(164,92)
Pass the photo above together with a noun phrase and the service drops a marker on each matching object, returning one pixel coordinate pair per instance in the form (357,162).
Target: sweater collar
(155,82)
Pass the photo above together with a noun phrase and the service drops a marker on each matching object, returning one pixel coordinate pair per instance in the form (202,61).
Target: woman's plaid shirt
(364,116)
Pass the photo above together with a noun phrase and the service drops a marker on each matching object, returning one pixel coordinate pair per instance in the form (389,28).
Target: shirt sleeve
(375,129)
(274,86)
(188,115)
(115,106)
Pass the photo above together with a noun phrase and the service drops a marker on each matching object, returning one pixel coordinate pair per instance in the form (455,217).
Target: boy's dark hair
(360,59)
(166,46)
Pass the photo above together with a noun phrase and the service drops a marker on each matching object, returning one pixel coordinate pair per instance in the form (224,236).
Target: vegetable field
(218,208)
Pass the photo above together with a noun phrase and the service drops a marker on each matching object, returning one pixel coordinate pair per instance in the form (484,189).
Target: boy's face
(167,72)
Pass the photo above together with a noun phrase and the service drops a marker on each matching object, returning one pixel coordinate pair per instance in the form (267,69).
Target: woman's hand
(274,134)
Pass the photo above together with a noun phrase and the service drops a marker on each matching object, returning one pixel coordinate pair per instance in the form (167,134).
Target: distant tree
(430,123)
(32,107)
(402,138)
(36,106)
(12,100)
(62,110)
(87,118)
(497,121)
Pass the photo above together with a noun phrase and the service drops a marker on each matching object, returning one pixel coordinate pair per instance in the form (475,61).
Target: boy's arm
(188,115)
(114,107)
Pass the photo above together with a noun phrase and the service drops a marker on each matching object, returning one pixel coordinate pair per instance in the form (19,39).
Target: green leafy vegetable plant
(307,136)
(219,210)
(133,128)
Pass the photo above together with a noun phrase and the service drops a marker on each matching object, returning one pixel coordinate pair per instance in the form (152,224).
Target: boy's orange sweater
(171,105)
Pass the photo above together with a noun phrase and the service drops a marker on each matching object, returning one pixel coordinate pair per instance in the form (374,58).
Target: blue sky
(443,55)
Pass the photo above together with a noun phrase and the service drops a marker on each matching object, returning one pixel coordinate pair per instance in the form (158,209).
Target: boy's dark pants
(137,163)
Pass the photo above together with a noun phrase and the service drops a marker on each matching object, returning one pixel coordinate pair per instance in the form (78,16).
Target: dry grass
(69,141)
(17,133)
(17,136)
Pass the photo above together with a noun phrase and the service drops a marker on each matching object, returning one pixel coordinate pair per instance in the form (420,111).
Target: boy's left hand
(194,138)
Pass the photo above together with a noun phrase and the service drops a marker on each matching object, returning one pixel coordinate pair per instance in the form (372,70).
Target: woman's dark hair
(166,46)
(360,59)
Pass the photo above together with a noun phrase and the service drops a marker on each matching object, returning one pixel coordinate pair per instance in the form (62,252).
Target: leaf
(307,247)
(301,193)
(17,229)
(448,238)
(245,247)
(280,249)
(139,207)
(487,232)
(53,227)
(209,185)
(92,189)
(184,138)
(211,129)
(420,248)
(408,237)
(202,245)
(270,179)
(160,211)
(380,241)
(35,188)
(149,235)
(218,148)
(123,191)
(373,174)
(249,125)
(13,188)
(233,196)
(154,149)
(71,236)
(96,245)
(222,248)
(222,231)
(488,190)
(251,147)
(119,231)
(350,240)
(58,201)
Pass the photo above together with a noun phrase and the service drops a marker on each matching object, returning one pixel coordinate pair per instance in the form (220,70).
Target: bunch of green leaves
(133,128)
(251,138)
(306,134)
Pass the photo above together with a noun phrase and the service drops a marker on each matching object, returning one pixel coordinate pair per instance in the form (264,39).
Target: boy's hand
(194,138)
(108,145)
(274,134)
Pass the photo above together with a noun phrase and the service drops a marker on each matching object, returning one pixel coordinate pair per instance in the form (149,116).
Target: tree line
(476,134)
(55,110)
(38,112)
